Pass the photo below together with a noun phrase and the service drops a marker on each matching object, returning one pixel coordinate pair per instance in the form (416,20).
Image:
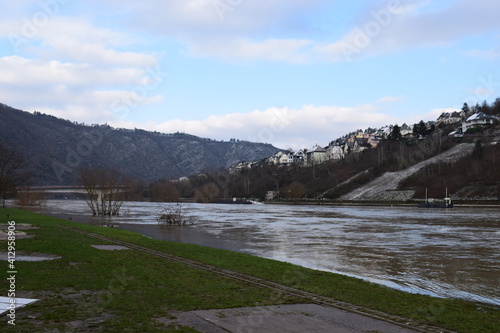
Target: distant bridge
(70,190)
(59,189)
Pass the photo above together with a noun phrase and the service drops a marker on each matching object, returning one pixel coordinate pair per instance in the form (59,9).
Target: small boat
(445,203)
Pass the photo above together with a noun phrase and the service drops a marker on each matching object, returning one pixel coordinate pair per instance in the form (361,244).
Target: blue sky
(292,73)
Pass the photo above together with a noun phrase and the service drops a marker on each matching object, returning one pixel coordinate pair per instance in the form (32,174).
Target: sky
(293,73)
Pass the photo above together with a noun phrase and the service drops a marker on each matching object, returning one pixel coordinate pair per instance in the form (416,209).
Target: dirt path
(379,188)
(315,315)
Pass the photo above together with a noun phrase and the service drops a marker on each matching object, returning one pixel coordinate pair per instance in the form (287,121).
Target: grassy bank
(125,290)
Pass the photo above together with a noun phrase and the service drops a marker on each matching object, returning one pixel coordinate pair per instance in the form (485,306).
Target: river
(451,253)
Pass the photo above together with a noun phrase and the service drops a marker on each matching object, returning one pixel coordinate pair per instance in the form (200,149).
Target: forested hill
(56,149)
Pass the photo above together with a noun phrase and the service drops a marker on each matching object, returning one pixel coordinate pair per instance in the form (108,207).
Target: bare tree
(105,189)
(12,173)
(27,196)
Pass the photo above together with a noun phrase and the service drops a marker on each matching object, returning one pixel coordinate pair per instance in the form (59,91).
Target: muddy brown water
(452,253)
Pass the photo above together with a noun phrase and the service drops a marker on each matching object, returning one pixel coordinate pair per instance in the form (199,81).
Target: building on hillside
(280,158)
(298,157)
(405,130)
(242,166)
(386,131)
(270,195)
(335,152)
(477,119)
(316,155)
(374,140)
(429,125)
(360,145)
(455,117)
(457,133)
(450,117)
(238,167)
(370,131)
(349,147)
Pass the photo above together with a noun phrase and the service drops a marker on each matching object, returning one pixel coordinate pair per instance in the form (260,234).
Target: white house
(335,152)
(477,119)
(405,130)
(454,117)
(450,118)
(298,157)
(386,130)
(280,158)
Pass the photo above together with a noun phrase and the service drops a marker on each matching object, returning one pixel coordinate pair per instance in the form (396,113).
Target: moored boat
(445,203)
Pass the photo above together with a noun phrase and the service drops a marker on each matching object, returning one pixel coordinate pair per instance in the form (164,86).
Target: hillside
(56,148)
(397,170)
(385,187)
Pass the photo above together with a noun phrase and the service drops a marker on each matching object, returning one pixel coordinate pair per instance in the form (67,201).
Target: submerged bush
(173,215)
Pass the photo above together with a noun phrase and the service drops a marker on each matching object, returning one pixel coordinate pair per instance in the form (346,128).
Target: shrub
(173,215)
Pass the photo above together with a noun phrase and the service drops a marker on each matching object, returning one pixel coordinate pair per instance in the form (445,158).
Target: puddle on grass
(20,256)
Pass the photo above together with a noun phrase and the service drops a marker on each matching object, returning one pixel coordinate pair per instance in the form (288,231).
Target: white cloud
(87,106)
(435,113)
(82,30)
(73,40)
(19,71)
(97,54)
(76,91)
(393,27)
(283,127)
(209,18)
(234,30)
(96,77)
(410,25)
(244,49)
(390,99)
(490,54)
(263,29)
(79,113)
(77,40)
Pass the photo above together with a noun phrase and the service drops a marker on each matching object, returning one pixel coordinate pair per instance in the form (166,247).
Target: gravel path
(380,188)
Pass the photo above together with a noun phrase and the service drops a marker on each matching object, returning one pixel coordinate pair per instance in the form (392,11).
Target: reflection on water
(448,253)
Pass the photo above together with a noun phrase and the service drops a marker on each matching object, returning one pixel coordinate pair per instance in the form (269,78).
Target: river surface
(452,253)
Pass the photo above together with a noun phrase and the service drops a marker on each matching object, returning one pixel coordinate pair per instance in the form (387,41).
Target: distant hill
(57,148)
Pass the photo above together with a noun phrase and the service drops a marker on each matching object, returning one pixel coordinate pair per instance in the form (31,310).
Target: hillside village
(465,121)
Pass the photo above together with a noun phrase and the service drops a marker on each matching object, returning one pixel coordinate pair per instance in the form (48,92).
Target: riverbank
(448,253)
(384,203)
(126,290)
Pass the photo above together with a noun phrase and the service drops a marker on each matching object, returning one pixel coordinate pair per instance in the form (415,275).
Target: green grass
(124,290)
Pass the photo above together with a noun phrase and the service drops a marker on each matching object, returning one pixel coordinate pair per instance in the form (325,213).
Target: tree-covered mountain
(56,149)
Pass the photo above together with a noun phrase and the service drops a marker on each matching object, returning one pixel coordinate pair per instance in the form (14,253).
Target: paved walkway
(293,318)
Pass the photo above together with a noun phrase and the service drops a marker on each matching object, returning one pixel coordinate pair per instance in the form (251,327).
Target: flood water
(452,253)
